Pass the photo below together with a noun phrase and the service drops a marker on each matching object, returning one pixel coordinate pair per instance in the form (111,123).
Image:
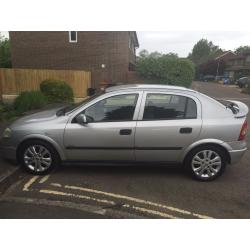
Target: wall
(52,50)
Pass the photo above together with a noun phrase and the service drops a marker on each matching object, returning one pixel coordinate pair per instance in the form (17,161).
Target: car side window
(169,107)
(191,109)
(115,108)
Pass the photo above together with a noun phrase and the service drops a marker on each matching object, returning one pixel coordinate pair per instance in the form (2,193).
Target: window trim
(136,111)
(144,98)
(70,40)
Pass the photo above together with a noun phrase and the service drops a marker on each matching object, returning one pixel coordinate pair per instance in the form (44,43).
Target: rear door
(167,124)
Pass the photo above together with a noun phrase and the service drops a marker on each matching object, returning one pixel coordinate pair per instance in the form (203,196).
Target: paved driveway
(135,192)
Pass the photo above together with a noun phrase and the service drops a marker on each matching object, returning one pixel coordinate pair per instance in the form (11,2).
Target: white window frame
(70,40)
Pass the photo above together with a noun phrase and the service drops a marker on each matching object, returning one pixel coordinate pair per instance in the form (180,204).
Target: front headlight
(7,133)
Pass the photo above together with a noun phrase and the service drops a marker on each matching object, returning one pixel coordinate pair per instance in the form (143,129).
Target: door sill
(122,163)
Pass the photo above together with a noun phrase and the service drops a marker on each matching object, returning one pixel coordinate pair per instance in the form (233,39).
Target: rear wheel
(38,157)
(206,163)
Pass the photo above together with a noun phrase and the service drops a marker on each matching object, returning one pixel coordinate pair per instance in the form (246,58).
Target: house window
(73,36)
(248,58)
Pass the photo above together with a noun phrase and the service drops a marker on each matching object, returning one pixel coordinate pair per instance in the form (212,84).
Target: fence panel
(14,81)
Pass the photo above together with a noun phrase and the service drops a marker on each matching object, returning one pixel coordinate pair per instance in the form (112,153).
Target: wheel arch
(42,138)
(220,144)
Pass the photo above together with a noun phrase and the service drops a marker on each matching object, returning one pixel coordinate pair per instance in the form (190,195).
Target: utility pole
(217,71)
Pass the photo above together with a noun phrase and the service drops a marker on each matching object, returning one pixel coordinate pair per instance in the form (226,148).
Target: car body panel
(148,141)
(161,140)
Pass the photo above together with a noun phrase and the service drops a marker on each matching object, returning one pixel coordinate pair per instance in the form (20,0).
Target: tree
(5,59)
(166,69)
(155,54)
(242,49)
(203,51)
(143,53)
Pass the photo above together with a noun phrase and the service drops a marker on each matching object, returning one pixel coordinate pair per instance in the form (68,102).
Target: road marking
(29,183)
(135,200)
(63,204)
(149,211)
(141,209)
(47,191)
(56,185)
(44,179)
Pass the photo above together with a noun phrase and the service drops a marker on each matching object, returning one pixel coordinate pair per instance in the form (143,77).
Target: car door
(167,124)
(109,134)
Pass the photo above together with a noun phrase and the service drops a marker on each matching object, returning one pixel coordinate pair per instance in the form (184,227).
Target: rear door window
(169,107)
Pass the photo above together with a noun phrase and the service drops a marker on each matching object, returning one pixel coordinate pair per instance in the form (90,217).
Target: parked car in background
(219,78)
(208,78)
(133,124)
(243,81)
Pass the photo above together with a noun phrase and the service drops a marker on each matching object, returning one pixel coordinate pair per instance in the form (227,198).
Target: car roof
(146,87)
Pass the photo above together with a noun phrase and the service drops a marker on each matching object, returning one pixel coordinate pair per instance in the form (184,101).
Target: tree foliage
(242,49)
(5,59)
(204,51)
(57,90)
(165,69)
(202,55)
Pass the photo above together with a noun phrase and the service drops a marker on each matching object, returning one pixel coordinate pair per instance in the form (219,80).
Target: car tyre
(206,163)
(38,157)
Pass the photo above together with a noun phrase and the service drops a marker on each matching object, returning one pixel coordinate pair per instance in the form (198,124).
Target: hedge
(29,100)
(166,69)
(57,91)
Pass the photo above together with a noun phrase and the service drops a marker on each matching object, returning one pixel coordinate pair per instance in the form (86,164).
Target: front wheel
(206,163)
(38,157)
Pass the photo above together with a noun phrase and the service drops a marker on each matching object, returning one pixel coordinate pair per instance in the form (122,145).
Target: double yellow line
(164,208)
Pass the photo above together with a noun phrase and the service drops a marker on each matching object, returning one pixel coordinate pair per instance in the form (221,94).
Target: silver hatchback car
(133,124)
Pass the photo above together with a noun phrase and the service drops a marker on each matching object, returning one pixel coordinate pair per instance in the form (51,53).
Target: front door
(167,124)
(109,133)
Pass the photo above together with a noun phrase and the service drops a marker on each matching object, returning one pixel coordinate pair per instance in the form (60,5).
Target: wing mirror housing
(81,119)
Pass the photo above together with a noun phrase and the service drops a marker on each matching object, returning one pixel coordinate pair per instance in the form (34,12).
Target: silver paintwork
(215,124)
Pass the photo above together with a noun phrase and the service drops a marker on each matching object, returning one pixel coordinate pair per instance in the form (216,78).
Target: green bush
(57,91)
(166,69)
(29,100)
(7,112)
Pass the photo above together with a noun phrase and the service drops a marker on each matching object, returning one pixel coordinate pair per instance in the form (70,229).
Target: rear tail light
(243,131)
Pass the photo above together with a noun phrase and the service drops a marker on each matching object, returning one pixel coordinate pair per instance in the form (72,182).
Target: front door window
(115,108)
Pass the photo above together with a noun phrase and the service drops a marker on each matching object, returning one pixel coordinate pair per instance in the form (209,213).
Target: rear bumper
(236,155)
(236,150)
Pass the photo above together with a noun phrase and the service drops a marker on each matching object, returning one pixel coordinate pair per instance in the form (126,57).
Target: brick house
(109,55)
(238,66)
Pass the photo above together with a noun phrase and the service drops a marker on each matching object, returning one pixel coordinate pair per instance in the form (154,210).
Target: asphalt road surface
(79,191)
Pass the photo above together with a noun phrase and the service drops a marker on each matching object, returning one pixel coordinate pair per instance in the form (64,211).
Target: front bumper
(7,151)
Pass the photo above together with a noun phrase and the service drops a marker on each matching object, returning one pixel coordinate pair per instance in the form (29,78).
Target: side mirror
(81,119)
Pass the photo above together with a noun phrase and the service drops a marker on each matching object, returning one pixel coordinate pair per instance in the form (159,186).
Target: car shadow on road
(146,169)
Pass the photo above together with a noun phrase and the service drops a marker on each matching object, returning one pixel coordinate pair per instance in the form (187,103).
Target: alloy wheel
(206,164)
(37,158)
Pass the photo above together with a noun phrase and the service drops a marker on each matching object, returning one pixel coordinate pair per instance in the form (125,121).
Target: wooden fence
(14,81)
